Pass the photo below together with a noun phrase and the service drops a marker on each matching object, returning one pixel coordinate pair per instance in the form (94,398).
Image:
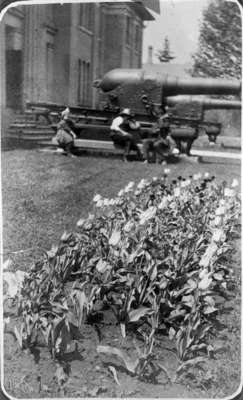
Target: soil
(33,375)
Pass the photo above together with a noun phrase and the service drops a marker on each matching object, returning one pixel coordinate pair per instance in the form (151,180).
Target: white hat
(65,112)
(126,111)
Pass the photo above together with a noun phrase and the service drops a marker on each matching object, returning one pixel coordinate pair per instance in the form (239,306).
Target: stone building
(53,52)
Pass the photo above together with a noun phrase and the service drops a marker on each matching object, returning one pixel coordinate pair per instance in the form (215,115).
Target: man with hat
(120,133)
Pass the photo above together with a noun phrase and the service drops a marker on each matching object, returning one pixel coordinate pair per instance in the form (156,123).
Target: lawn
(45,194)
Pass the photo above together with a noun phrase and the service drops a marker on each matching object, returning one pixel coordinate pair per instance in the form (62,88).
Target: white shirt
(116,123)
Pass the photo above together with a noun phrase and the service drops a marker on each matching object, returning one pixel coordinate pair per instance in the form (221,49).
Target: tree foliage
(219,50)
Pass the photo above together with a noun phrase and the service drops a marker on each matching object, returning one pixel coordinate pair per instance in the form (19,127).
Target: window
(86,14)
(49,70)
(128,29)
(137,38)
(84,83)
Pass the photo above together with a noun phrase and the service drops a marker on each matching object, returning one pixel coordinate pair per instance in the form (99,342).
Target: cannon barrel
(205,103)
(169,85)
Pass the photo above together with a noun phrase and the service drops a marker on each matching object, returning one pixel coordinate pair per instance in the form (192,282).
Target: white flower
(141,184)
(137,192)
(184,184)
(65,236)
(115,238)
(177,192)
(80,222)
(208,255)
(217,221)
(155,178)
(129,187)
(97,197)
(197,176)
(106,202)
(218,236)
(235,183)
(229,192)
(220,210)
(205,282)
(206,175)
(14,281)
(166,171)
(99,203)
(7,264)
(128,226)
(112,202)
(103,266)
(121,193)
(163,203)
(6,320)
(222,202)
(147,215)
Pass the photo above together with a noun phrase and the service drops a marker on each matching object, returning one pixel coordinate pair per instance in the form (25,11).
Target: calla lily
(129,187)
(220,211)
(205,282)
(80,222)
(217,221)
(65,236)
(115,238)
(229,192)
(147,215)
(128,227)
(97,197)
(14,281)
(235,183)
(163,203)
(218,236)
(177,192)
(100,203)
(106,202)
(121,193)
(7,264)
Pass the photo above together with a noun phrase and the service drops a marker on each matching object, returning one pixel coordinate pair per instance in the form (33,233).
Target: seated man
(120,133)
(159,141)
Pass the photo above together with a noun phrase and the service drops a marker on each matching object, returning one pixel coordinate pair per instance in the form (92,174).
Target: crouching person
(164,145)
(65,135)
(120,133)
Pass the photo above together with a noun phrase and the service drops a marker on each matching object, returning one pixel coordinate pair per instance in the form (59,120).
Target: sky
(179,20)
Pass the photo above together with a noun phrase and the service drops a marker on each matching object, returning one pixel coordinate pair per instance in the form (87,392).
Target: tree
(219,50)
(165,54)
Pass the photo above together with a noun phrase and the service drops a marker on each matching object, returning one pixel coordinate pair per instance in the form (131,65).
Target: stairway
(25,128)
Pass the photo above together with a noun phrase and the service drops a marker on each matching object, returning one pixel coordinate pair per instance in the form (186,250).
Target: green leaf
(188,300)
(135,315)
(218,276)
(19,335)
(130,364)
(190,363)
(103,266)
(114,373)
(209,309)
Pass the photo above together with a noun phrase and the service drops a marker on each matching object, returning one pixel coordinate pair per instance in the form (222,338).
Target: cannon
(126,87)
(148,93)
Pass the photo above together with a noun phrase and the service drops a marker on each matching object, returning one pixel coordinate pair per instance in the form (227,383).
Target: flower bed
(157,256)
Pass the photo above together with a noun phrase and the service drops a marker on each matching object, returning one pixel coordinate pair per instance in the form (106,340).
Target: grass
(44,194)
